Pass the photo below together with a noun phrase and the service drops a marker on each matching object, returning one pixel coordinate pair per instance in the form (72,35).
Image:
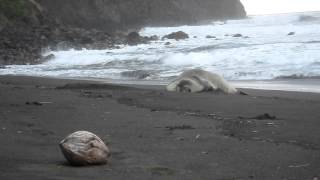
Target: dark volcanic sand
(154,134)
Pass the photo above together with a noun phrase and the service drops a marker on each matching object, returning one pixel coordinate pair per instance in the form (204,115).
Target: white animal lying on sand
(197,80)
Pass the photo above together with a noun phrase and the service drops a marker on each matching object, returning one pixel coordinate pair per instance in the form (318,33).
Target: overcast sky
(280,6)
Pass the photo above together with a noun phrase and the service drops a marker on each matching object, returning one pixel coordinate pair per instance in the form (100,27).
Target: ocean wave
(297,76)
(268,53)
(308,18)
(219,46)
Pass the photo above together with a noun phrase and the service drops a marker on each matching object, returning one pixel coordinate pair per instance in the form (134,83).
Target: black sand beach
(154,134)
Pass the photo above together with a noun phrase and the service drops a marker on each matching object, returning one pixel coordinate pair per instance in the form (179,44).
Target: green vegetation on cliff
(12,9)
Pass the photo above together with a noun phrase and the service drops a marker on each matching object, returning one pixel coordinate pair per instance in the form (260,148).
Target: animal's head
(186,85)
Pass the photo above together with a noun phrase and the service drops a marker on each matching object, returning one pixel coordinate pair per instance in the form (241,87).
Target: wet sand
(154,134)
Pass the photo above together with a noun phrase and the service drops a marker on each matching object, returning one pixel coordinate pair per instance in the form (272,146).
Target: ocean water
(265,52)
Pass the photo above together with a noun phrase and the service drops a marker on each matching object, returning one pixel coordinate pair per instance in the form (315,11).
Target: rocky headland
(29,27)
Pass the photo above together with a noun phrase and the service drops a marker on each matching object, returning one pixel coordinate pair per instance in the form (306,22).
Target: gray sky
(280,6)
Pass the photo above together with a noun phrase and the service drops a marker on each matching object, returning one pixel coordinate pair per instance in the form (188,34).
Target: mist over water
(266,53)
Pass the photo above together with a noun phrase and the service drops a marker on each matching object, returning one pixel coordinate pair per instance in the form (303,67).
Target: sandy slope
(154,134)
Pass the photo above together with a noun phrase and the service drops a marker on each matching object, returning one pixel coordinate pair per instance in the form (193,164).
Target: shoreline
(311,85)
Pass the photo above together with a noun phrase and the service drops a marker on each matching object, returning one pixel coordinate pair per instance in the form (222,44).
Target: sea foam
(265,51)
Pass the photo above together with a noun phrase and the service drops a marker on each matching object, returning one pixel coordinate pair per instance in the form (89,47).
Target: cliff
(123,14)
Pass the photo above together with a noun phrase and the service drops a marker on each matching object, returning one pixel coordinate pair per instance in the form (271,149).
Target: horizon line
(281,13)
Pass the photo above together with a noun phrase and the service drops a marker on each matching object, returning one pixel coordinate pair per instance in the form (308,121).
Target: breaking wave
(264,51)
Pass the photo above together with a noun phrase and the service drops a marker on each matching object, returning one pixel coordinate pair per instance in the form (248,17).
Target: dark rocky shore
(29,27)
(154,134)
